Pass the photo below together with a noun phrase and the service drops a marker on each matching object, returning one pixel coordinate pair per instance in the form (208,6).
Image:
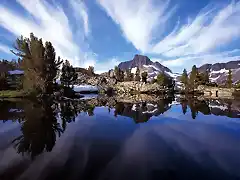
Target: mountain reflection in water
(116,138)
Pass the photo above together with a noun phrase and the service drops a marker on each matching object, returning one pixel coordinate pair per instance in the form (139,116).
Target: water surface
(108,139)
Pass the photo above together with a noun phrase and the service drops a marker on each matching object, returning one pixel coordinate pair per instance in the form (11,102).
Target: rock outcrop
(216,92)
(102,82)
(132,87)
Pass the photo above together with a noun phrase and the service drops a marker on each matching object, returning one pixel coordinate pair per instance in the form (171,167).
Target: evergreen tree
(161,79)
(137,75)
(38,62)
(144,77)
(116,72)
(52,66)
(91,70)
(193,75)
(206,78)
(121,75)
(3,81)
(69,75)
(229,79)
(129,75)
(184,79)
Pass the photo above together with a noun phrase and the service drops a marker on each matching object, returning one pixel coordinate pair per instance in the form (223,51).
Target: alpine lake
(109,138)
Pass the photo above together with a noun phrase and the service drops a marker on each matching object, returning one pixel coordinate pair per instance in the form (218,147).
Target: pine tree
(52,66)
(206,78)
(116,72)
(129,75)
(69,75)
(137,75)
(91,70)
(3,81)
(184,79)
(144,77)
(38,62)
(31,51)
(161,79)
(229,79)
(121,75)
(193,76)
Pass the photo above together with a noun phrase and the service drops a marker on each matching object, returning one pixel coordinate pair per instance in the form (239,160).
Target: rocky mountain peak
(141,62)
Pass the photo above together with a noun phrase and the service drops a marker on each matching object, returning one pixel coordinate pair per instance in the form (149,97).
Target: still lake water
(106,139)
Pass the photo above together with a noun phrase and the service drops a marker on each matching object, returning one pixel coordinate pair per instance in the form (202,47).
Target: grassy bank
(12,94)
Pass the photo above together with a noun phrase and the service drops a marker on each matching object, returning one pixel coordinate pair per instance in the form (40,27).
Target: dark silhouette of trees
(39,130)
(3,81)
(69,75)
(192,79)
(184,106)
(91,70)
(137,75)
(184,79)
(119,74)
(129,75)
(144,77)
(68,112)
(229,79)
(52,66)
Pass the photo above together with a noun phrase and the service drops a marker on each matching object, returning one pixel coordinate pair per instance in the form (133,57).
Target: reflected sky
(171,145)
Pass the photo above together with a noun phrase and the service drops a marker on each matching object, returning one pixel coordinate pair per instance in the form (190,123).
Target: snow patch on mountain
(220,71)
(214,79)
(173,75)
(134,70)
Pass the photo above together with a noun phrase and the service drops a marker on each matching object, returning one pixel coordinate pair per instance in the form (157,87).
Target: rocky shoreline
(106,84)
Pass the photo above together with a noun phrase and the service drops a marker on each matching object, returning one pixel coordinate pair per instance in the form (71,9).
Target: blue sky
(103,33)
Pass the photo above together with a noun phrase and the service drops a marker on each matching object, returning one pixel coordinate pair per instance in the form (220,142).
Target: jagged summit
(141,62)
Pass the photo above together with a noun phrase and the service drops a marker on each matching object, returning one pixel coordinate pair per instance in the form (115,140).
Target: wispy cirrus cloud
(214,26)
(209,30)
(51,24)
(138,19)
(81,15)
(4,49)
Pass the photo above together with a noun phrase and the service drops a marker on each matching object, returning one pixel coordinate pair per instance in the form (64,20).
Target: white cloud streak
(137,19)
(195,42)
(49,23)
(81,14)
(4,49)
(103,66)
(209,30)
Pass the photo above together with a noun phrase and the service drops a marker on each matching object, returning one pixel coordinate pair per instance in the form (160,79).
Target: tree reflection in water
(39,129)
(219,107)
(42,121)
(40,126)
(142,111)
